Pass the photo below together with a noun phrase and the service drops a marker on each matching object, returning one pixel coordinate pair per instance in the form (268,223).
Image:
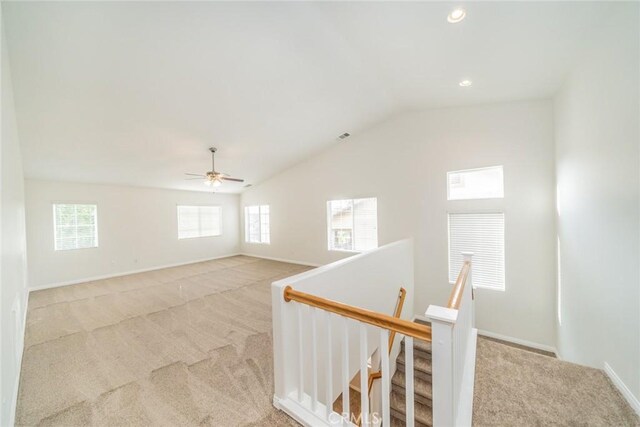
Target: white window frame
(200,235)
(55,226)
(261,213)
(449,173)
(504,246)
(353,227)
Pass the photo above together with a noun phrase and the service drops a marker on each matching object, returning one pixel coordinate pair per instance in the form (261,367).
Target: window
(482,234)
(256,224)
(75,226)
(484,183)
(198,221)
(353,224)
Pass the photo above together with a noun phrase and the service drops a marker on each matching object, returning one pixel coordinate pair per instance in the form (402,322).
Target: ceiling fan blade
(231,179)
(195,174)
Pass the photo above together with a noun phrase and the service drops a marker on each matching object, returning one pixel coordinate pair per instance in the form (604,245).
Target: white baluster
(384,367)
(300,355)
(345,368)
(314,361)
(408,363)
(364,375)
(329,371)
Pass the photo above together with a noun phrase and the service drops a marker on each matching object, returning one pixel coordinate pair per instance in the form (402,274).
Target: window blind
(256,224)
(352,224)
(75,226)
(199,221)
(482,234)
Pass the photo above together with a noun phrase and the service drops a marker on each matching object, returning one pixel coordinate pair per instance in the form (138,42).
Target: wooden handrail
(456,292)
(397,312)
(415,330)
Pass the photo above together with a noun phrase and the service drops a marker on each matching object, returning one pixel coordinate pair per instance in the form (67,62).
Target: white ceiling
(135,93)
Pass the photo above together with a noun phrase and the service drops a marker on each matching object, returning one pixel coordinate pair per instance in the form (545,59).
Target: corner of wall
(13,279)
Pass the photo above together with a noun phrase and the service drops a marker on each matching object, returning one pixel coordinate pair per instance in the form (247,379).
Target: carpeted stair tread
(421,388)
(422,413)
(421,364)
(423,392)
(419,346)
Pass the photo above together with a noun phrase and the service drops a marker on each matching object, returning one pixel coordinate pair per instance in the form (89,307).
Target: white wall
(13,266)
(137,229)
(403,162)
(597,137)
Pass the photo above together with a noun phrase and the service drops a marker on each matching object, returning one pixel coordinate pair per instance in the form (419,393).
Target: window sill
(258,243)
(74,249)
(198,237)
(484,287)
(349,251)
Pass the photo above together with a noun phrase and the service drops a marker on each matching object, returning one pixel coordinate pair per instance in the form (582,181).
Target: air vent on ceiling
(344,135)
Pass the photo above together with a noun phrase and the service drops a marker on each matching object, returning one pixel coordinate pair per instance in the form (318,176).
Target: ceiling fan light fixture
(213,178)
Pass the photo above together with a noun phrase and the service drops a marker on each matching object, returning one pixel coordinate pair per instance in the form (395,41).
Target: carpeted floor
(192,346)
(516,387)
(182,346)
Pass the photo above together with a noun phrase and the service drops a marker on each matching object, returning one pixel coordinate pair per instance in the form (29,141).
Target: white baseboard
(622,388)
(519,341)
(290,261)
(125,273)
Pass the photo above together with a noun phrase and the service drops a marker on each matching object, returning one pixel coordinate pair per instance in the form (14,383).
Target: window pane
(482,234)
(66,231)
(342,239)
(485,183)
(366,224)
(75,226)
(85,231)
(264,224)
(199,221)
(256,224)
(64,244)
(86,242)
(353,224)
(85,219)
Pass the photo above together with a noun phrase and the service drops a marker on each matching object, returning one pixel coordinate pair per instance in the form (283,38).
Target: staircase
(422,386)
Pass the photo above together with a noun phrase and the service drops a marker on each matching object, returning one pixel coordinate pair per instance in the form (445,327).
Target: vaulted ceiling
(135,92)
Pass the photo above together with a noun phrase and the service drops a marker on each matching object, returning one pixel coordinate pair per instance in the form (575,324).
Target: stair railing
(402,294)
(385,326)
(453,352)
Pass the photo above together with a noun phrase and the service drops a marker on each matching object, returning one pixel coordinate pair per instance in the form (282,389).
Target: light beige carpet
(189,345)
(516,387)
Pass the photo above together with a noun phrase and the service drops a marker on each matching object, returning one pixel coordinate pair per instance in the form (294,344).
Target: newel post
(442,322)
(468,256)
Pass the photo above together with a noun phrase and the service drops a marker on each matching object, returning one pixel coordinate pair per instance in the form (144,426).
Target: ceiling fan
(213,178)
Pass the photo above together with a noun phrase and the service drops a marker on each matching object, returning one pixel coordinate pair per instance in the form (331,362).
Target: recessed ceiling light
(456,15)
(465,83)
